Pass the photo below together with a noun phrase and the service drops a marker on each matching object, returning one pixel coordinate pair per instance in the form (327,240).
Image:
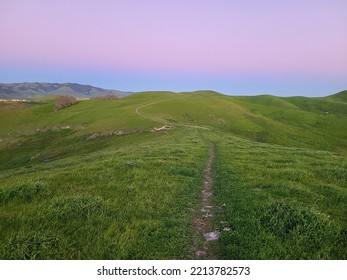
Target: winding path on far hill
(203,215)
(137,110)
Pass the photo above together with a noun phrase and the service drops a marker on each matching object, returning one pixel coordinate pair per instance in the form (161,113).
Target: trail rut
(204,216)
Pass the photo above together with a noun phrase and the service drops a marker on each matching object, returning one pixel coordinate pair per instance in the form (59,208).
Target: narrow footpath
(203,216)
(203,221)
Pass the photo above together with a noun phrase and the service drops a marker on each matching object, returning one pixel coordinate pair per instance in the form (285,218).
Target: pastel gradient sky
(280,47)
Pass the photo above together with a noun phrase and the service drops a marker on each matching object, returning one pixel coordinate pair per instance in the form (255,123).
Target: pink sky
(227,39)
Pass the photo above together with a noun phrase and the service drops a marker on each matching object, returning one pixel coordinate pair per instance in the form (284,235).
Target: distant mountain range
(34,90)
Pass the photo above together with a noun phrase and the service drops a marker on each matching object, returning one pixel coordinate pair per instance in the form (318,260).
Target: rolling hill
(123,178)
(35,90)
(340,96)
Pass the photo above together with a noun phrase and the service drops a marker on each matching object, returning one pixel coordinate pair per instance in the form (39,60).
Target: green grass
(120,202)
(299,122)
(93,182)
(279,203)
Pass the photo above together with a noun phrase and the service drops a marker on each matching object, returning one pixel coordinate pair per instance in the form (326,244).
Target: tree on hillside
(64,101)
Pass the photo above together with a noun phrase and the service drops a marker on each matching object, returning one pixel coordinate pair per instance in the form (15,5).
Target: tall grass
(279,203)
(121,202)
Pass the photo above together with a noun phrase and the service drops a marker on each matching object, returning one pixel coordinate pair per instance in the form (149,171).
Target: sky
(237,47)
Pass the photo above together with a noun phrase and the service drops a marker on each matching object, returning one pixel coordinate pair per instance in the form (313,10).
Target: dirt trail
(137,110)
(204,216)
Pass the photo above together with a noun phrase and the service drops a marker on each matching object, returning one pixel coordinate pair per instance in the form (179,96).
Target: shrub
(64,101)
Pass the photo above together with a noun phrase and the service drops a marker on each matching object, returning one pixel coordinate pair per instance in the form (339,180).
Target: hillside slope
(303,122)
(317,123)
(340,96)
(99,180)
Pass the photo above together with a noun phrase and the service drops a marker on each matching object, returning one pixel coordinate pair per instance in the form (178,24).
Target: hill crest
(341,96)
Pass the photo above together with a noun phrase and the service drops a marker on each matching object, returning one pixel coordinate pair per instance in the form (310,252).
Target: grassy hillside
(127,199)
(340,96)
(300,122)
(96,181)
(279,202)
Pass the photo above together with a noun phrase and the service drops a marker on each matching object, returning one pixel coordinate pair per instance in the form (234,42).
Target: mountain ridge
(28,90)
